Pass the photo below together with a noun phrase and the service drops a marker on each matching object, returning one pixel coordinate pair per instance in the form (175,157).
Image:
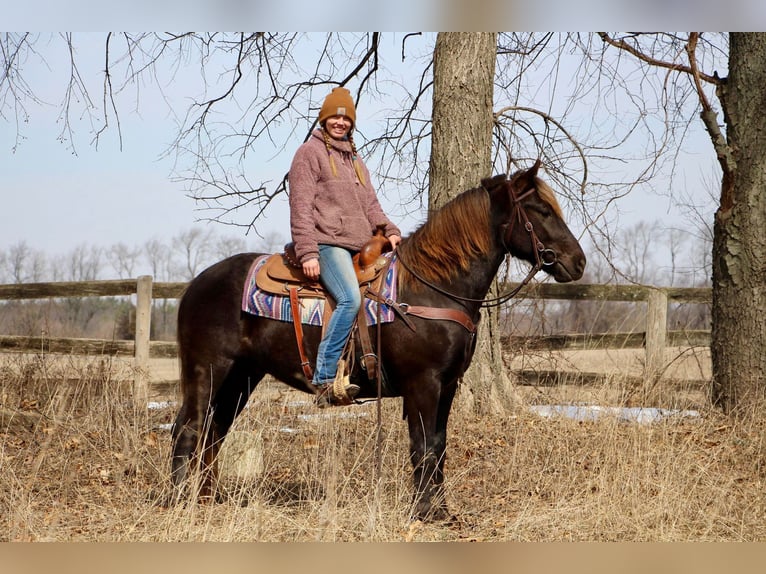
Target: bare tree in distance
(22,264)
(193,247)
(226,246)
(700,229)
(636,247)
(159,257)
(83,263)
(123,259)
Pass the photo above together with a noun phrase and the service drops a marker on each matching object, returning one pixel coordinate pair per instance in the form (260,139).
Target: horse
(446,268)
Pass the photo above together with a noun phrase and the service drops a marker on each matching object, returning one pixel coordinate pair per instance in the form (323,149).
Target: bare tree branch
(623,44)
(243,102)
(710,120)
(548,119)
(108,102)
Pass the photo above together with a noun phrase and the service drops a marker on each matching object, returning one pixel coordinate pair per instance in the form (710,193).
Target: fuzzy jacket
(327,208)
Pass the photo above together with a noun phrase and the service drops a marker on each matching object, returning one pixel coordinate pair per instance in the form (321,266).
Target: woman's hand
(394,240)
(311,268)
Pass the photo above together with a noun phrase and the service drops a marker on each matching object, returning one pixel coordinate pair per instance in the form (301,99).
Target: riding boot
(339,392)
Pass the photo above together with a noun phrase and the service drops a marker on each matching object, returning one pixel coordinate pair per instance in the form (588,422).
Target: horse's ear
(490,183)
(527,178)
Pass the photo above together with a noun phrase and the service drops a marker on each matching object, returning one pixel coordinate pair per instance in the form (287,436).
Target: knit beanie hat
(338,103)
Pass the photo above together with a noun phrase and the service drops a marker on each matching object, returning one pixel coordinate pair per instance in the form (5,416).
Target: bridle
(543,256)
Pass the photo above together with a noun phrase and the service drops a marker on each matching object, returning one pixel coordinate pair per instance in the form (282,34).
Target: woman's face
(337,126)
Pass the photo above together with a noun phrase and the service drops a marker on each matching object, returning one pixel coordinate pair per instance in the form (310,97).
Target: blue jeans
(337,275)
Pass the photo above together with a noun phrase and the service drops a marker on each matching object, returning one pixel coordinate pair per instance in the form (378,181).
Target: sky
(56,199)
(58,195)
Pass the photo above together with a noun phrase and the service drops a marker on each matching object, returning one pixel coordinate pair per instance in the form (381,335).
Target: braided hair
(357,167)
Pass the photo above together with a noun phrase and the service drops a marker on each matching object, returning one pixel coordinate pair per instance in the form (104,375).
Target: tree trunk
(739,241)
(461,148)
(461,142)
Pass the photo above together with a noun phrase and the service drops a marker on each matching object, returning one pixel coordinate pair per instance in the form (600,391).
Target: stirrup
(339,392)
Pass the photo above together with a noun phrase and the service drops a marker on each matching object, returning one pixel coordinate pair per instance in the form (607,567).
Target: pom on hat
(338,103)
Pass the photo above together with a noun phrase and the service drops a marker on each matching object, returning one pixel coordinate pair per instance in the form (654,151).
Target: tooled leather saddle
(282,274)
(282,271)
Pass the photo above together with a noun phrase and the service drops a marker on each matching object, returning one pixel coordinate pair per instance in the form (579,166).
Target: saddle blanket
(263,304)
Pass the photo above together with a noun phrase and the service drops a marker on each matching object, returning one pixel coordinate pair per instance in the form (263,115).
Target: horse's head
(530,225)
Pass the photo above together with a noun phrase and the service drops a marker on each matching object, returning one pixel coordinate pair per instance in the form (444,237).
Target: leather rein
(543,256)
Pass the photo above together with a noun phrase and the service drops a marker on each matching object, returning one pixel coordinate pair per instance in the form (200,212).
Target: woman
(333,212)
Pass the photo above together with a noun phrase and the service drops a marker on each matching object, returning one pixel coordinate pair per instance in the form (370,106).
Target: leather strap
(397,307)
(368,356)
(403,309)
(296,311)
(454,315)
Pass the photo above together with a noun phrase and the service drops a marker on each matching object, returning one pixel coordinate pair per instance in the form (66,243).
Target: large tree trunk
(739,241)
(461,142)
(461,154)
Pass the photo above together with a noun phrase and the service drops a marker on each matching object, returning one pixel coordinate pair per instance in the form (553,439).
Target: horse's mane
(443,247)
(445,244)
(547,194)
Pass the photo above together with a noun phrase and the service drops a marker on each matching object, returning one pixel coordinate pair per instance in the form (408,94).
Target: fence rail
(654,339)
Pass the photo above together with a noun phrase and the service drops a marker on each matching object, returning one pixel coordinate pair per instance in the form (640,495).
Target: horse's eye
(542,209)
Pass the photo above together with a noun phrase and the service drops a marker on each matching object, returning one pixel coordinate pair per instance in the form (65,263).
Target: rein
(543,256)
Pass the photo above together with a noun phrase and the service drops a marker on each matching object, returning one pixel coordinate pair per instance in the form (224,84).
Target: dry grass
(90,467)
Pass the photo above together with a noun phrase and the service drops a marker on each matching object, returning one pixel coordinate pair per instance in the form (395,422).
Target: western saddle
(283,275)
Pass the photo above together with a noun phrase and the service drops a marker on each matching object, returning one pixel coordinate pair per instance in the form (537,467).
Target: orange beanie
(338,103)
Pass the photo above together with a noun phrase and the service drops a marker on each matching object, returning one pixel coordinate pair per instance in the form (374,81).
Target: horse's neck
(467,289)
(477,282)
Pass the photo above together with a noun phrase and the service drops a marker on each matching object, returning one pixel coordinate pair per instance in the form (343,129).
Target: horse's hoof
(165,498)
(433,514)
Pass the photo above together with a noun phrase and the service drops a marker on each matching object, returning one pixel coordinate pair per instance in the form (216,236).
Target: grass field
(79,462)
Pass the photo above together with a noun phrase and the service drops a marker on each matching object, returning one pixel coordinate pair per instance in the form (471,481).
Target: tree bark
(739,238)
(461,155)
(461,141)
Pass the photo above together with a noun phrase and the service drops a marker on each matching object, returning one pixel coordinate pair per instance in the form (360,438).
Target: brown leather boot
(336,394)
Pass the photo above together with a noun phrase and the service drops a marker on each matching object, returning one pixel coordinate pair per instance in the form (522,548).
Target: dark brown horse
(448,263)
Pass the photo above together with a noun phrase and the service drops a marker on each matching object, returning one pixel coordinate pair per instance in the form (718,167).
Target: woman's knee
(351,299)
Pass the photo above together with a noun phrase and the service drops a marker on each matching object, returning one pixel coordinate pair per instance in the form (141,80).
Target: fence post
(656,332)
(143,331)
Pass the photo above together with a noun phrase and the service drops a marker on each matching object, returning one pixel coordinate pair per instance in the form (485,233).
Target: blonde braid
(357,167)
(329,151)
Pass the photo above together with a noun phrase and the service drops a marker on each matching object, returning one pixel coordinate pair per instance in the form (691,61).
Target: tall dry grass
(79,462)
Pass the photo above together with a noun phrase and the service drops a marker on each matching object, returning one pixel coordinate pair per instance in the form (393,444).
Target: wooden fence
(654,340)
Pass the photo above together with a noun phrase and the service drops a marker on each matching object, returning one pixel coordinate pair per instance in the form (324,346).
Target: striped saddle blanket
(264,304)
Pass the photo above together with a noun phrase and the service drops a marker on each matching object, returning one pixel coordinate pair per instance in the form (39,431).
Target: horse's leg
(191,428)
(226,405)
(440,449)
(424,405)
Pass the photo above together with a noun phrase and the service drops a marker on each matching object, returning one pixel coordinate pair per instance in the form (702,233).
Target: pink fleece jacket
(327,208)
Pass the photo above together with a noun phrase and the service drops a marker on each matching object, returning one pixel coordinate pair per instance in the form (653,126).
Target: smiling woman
(334,211)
